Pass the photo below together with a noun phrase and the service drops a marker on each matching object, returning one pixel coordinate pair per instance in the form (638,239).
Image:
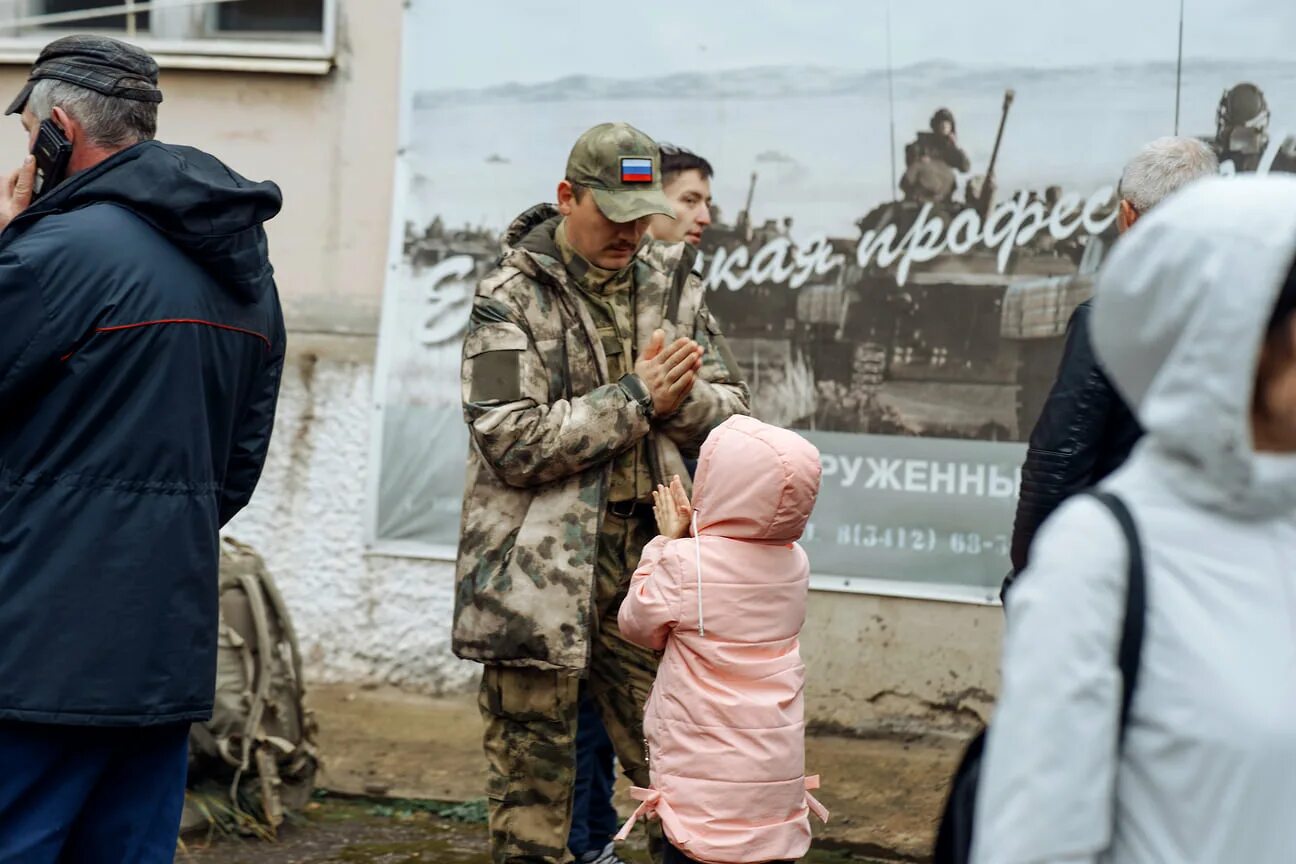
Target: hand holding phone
(16,192)
(44,169)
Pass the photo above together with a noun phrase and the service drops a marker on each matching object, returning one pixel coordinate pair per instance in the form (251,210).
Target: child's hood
(755,482)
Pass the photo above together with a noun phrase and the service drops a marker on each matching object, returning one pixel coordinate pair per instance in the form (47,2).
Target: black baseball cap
(98,63)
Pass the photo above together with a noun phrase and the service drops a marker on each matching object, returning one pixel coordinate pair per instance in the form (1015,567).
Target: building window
(271,16)
(101,22)
(183,32)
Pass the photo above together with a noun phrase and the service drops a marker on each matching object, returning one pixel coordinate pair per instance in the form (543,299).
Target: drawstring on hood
(697,555)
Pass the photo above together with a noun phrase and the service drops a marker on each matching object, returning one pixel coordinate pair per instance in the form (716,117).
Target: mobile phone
(52,152)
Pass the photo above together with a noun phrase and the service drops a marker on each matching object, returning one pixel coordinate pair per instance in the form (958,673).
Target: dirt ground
(884,793)
(368,832)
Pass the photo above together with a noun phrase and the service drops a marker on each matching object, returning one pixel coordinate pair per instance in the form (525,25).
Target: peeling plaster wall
(359,618)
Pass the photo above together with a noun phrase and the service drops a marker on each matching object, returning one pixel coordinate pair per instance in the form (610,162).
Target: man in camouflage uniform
(591,366)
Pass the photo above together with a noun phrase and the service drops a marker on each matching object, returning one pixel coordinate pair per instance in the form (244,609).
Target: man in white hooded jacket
(1194,323)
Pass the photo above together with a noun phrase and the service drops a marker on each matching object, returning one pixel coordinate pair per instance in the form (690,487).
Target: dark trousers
(674,856)
(89,795)
(594,819)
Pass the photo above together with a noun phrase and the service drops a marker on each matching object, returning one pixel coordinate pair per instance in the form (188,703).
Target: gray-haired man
(1085,431)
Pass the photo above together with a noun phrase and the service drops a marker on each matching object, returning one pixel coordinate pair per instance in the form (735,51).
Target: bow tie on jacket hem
(652,804)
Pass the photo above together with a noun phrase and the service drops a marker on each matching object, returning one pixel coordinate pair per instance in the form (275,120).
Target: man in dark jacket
(1085,431)
(140,357)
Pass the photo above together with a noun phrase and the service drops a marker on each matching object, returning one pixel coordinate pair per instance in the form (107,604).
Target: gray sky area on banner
(480,43)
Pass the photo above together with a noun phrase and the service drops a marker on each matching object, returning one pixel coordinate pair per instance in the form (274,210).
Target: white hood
(1179,318)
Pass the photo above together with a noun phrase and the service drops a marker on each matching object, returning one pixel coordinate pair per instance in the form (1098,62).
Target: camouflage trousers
(530,717)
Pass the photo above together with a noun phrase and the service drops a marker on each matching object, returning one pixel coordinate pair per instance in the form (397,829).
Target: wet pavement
(359,831)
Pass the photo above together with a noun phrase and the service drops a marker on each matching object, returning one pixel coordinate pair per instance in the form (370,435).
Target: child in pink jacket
(725,722)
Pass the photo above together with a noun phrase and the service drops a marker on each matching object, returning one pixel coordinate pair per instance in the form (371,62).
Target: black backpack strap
(682,271)
(1131,644)
(954,836)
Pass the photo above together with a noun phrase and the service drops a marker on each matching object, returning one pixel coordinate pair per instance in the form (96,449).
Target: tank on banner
(907,328)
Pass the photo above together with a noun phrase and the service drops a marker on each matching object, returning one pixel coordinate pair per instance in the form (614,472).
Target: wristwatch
(635,388)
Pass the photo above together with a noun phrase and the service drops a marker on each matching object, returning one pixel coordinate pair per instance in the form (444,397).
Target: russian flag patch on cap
(635,170)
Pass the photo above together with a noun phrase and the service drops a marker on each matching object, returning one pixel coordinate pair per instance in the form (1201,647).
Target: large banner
(896,248)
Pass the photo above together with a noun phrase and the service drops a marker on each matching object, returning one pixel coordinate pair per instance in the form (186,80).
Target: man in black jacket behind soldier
(1085,431)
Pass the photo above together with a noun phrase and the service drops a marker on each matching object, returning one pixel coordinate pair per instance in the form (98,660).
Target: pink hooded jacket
(725,722)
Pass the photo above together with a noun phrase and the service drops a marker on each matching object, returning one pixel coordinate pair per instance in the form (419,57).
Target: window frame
(226,51)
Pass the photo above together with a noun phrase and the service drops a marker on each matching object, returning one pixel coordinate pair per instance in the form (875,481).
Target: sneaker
(606,856)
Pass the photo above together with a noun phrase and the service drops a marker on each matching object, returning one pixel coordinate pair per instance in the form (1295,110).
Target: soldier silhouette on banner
(931,161)
(1242,132)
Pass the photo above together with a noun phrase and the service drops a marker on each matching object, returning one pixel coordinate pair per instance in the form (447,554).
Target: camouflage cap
(98,63)
(622,167)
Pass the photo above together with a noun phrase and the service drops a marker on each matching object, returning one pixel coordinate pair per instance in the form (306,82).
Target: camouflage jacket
(544,423)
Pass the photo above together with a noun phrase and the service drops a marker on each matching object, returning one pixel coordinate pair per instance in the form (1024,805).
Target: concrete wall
(330,143)
(894,664)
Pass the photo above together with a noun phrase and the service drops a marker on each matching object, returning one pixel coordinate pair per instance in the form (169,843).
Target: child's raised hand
(672,509)
(681,498)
